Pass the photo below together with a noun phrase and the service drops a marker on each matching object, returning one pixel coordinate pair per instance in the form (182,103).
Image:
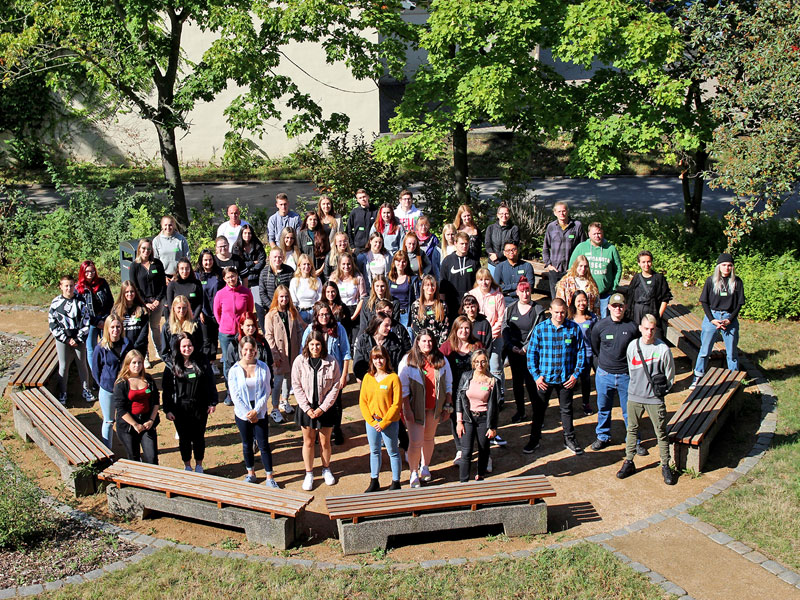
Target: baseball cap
(616,298)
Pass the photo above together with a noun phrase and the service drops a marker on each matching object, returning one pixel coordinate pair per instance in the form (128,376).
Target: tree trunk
(693,184)
(172,172)
(460,167)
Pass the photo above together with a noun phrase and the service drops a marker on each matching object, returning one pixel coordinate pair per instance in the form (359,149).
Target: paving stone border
(764,435)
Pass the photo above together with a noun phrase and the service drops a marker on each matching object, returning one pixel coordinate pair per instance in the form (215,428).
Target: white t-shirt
(408,219)
(302,294)
(230,232)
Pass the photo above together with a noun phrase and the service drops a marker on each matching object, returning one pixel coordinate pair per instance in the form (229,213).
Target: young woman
(579,312)
(377,333)
(648,293)
(210,277)
(106,364)
(136,404)
(722,298)
(283,329)
(417,259)
(520,319)
(375,261)
(224,258)
(429,244)
(404,287)
(427,399)
(379,290)
(428,312)
(288,243)
(248,327)
(449,232)
(314,242)
(493,306)
(476,413)
(331,222)
(186,284)
(147,275)
(98,299)
(251,252)
(69,325)
(579,277)
(340,245)
(458,351)
(465,221)
(190,395)
(316,382)
(230,303)
(305,288)
(248,382)
(169,246)
(379,401)
(179,321)
(352,290)
(130,307)
(481,328)
(332,297)
(390,228)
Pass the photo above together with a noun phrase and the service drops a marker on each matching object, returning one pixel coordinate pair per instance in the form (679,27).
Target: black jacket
(645,295)
(191,288)
(462,402)
(496,237)
(365,343)
(165,352)
(253,263)
(122,404)
(191,394)
(482,330)
(358,225)
(268,282)
(99,304)
(150,283)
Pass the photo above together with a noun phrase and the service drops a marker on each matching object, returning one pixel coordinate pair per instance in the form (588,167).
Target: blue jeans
(496,364)
(225,340)
(492,267)
(708,335)
(306,315)
(91,342)
(260,432)
(606,383)
(604,305)
(389,437)
(107,408)
(405,319)
(280,389)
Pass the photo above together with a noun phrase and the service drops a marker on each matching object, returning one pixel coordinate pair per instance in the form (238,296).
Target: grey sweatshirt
(658,359)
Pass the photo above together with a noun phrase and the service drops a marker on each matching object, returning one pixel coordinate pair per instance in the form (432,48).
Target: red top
(430,386)
(140,401)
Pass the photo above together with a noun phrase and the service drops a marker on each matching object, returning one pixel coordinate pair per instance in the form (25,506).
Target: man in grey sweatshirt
(653,355)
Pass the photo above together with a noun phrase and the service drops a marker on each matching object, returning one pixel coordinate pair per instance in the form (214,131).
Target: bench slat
(40,364)
(79,432)
(704,424)
(689,325)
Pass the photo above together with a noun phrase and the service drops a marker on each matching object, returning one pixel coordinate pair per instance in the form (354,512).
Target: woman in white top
(448,239)
(248,384)
(339,245)
(376,260)
(352,289)
(288,243)
(305,287)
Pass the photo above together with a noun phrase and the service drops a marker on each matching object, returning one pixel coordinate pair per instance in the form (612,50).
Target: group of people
(417,320)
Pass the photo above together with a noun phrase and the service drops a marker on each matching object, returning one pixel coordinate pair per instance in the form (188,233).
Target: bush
(771,286)
(23,517)
(437,195)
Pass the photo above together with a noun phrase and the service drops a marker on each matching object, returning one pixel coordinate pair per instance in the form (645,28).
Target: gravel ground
(11,350)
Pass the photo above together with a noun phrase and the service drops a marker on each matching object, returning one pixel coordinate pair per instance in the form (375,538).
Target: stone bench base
(366,535)
(259,527)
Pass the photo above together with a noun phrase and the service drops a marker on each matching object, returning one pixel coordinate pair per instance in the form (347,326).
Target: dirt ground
(589,497)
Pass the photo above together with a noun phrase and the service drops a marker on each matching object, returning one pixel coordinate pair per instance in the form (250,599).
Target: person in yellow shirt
(380,405)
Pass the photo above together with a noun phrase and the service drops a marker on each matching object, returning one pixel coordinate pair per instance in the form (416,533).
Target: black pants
(586,384)
(210,332)
(139,446)
(521,378)
(565,404)
(553,277)
(475,430)
(260,432)
(192,432)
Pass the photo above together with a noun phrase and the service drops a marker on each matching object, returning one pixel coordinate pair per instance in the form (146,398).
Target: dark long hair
(318,336)
(179,365)
(337,307)
(191,277)
(215,270)
(255,243)
(333,326)
(417,359)
(322,244)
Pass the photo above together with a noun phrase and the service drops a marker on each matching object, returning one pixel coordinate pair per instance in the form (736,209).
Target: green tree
(132,53)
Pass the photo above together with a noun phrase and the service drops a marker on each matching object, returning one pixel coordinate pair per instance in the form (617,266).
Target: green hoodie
(604,263)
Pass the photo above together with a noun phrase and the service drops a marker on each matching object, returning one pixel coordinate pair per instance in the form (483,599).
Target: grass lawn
(582,572)
(761,508)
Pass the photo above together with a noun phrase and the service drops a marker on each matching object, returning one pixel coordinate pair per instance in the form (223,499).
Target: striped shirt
(556,353)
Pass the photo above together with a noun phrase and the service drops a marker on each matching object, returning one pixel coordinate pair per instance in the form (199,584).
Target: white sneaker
(414,480)
(489,465)
(693,384)
(425,473)
(328,477)
(177,437)
(88,395)
(457,459)
(286,407)
(308,482)
(276,416)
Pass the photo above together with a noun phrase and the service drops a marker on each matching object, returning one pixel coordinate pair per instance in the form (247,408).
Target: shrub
(771,286)
(437,195)
(23,517)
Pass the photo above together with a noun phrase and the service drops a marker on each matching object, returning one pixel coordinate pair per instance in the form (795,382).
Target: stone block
(773,567)
(705,528)
(8,593)
(739,547)
(721,538)
(30,590)
(517,519)
(755,557)
(789,577)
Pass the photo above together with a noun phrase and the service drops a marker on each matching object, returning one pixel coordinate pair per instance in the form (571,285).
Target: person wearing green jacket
(604,263)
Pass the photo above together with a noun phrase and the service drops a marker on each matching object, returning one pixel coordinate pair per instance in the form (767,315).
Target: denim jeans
(225,340)
(708,335)
(260,431)
(606,384)
(604,305)
(491,268)
(389,437)
(91,342)
(496,365)
(306,315)
(280,389)
(107,408)
(404,318)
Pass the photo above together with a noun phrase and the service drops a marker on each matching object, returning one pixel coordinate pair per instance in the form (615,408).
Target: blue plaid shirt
(556,353)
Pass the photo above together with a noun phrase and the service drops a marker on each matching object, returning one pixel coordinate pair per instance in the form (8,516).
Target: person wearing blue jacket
(106,362)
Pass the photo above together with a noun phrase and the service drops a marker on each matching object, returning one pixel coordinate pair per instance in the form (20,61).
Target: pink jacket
(229,304)
(275,333)
(303,382)
(493,307)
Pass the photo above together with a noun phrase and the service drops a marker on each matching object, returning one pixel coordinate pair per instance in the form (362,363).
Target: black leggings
(474,432)
(520,379)
(192,433)
(139,446)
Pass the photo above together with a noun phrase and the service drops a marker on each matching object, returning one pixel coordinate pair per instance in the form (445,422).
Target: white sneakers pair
(416,478)
(327,476)
(284,406)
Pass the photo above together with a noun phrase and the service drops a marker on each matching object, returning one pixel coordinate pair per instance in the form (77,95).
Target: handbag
(659,381)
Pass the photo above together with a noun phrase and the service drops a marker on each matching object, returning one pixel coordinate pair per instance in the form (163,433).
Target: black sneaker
(573,447)
(641,450)
(599,444)
(338,437)
(518,417)
(670,477)
(626,470)
(530,447)
(588,410)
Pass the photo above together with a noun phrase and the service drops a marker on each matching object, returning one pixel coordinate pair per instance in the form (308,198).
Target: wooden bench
(695,424)
(682,330)
(541,281)
(366,521)
(39,366)
(77,452)
(268,516)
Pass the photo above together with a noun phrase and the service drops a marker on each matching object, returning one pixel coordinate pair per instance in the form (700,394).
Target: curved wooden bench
(366,521)
(267,515)
(77,452)
(39,366)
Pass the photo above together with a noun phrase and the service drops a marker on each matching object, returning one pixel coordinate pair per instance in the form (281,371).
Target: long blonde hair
(447,227)
(138,308)
(188,325)
(314,283)
(718,280)
(591,286)
(105,340)
(125,370)
(295,248)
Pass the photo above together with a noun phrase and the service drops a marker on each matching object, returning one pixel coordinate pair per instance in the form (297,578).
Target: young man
(560,239)
(457,275)
(281,219)
(604,263)
(497,234)
(68,319)
(231,228)
(610,339)
(652,354)
(556,358)
(508,273)
(406,212)
(223,256)
(169,246)
(360,221)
